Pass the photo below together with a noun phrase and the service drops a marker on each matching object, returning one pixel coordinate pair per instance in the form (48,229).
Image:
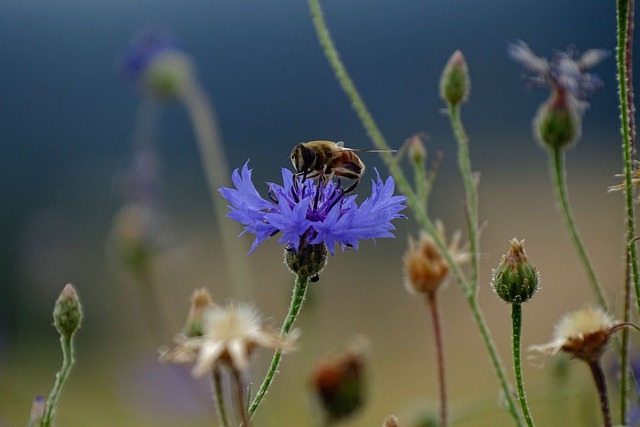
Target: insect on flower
(324,159)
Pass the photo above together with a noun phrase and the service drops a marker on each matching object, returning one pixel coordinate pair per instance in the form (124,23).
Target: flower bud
(516,278)
(168,74)
(67,312)
(338,382)
(416,149)
(454,83)
(201,301)
(307,261)
(558,123)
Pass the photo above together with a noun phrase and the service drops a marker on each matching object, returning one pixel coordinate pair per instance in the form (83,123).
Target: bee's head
(302,158)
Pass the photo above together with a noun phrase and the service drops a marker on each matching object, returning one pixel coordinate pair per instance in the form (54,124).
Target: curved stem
(601,386)
(516,322)
(437,336)
(299,292)
(470,188)
(201,112)
(412,201)
(219,397)
(558,172)
(68,360)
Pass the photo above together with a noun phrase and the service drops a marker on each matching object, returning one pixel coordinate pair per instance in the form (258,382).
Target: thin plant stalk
(432,302)
(413,202)
(624,56)
(218,396)
(558,172)
(202,114)
(470,188)
(624,353)
(601,386)
(299,292)
(238,391)
(68,360)
(516,321)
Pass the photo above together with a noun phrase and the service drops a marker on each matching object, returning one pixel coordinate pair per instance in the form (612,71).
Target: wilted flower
(424,266)
(339,382)
(201,301)
(558,122)
(229,335)
(311,214)
(583,334)
(563,72)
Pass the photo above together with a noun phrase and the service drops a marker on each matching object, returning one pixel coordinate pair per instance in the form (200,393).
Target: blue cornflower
(312,214)
(563,72)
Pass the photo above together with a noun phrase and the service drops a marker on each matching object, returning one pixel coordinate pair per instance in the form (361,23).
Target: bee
(326,159)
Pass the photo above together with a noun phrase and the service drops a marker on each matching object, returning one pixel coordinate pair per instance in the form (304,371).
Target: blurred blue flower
(309,214)
(563,72)
(143,49)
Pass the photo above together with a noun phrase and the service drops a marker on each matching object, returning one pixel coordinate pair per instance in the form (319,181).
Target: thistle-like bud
(201,301)
(168,74)
(558,122)
(416,150)
(67,312)
(516,279)
(454,83)
(338,382)
(307,261)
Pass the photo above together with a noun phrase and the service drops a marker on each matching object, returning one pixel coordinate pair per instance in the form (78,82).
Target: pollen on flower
(230,334)
(583,334)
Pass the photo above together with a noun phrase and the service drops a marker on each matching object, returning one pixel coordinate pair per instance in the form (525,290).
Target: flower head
(229,335)
(583,334)
(563,72)
(516,279)
(425,267)
(311,214)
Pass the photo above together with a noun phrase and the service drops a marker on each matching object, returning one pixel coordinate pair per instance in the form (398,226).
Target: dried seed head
(338,381)
(201,301)
(424,266)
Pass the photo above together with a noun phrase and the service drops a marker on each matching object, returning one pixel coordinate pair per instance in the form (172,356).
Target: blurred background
(67,125)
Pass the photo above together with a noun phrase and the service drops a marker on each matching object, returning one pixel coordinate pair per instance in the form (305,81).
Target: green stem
(212,155)
(432,302)
(413,202)
(516,321)
(219,397)
(299,292)
(66,342)
(601,386)
(624,346)
(559,180)
(470,188)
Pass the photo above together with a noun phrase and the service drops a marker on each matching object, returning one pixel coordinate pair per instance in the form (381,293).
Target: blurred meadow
(67,124)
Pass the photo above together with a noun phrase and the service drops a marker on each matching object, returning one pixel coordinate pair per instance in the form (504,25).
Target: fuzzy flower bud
(307,261)
(338,382)
(558,123)
(454,83)
(416,150)
(516,279)
(201,301)
(67,312)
